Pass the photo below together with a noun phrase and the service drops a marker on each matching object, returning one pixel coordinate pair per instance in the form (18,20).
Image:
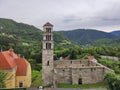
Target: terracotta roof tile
(7,60)
(21,66)
(90,57)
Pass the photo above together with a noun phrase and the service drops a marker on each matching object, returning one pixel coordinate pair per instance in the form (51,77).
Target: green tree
(73,54)
(113,81)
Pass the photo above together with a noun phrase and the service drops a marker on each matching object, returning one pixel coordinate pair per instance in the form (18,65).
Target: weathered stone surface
(87,71)
(47,56)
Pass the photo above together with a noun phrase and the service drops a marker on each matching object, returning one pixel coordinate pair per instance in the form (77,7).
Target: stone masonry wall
(88,71)
(88,75)
(47,70)
(72,63)
(63,75)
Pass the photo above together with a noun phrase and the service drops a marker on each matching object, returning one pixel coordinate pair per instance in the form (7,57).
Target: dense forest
(87,36)
(76,44)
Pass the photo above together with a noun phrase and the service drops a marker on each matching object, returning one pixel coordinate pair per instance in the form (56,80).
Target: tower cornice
(48,24)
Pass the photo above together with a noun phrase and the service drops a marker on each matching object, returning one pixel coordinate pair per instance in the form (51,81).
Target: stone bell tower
(47,55)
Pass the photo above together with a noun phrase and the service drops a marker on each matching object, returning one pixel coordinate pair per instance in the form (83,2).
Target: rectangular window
(48,63)
(20,84)
(48,45)
(48,37)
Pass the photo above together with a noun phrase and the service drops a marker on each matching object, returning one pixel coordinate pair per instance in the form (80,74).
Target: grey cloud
(64,14)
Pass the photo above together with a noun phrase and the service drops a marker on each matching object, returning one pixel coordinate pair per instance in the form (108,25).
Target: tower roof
(48,24)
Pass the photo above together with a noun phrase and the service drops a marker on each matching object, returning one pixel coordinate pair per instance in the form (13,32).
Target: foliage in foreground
(36,78)
(2,78)
(113,81)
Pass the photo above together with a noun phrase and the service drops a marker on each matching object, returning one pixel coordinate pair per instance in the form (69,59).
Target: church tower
(47,55)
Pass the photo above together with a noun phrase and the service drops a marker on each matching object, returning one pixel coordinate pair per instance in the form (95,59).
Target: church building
(83,71)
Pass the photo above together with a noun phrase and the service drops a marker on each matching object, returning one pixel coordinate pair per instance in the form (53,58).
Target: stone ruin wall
(73,63)
(90,72)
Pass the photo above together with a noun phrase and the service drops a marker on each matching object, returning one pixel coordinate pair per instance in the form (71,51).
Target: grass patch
(36,78)
(84,86)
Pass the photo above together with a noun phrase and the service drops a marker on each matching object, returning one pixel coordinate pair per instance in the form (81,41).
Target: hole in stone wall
(80,81)
(48,63)
(91,69)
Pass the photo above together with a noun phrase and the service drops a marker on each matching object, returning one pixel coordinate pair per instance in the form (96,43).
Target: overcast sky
(64,14)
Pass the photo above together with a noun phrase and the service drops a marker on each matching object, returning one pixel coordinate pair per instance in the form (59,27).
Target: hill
(25,39)
(107,42)
(21,30)
(116,33)
(86,36)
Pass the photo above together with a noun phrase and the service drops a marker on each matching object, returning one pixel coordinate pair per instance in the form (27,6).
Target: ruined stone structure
(67,71)
(79,71)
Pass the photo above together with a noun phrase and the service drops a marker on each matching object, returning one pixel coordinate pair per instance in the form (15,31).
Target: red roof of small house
(10,60)
(7,59)
(21,66)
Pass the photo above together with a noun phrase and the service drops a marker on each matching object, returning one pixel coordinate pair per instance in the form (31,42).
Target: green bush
(113,81)
(115,65)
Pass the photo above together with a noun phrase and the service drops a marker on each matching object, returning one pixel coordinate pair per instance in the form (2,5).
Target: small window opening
(20,84)
(48,37)
(82,65)
(91,69)
(48,45)
(80,81)
(48,63)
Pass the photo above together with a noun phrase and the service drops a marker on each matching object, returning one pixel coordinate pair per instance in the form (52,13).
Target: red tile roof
(21,66)
(91,57)
(10,60)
